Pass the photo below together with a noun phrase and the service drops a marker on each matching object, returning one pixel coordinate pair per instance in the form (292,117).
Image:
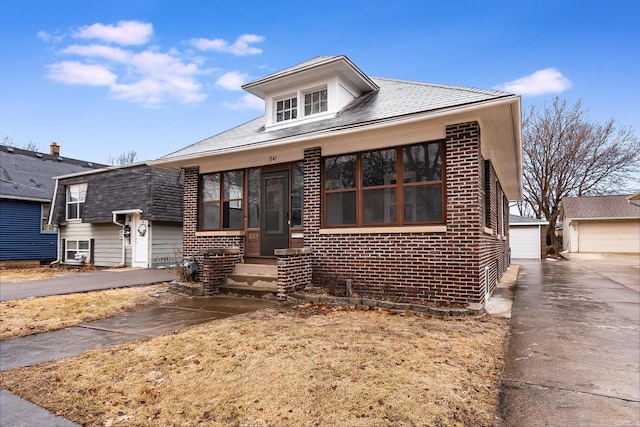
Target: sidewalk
(160,320)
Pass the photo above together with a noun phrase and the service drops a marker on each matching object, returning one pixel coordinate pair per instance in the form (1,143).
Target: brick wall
(432,268)
(193,245)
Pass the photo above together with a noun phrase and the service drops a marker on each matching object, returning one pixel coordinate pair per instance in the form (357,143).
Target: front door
(139,241)
(274,231)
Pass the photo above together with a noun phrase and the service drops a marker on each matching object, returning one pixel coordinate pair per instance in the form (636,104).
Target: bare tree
(123,159)
(564,154)
(30,146)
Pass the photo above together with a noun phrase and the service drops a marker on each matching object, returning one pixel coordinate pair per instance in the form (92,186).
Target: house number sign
(273,158)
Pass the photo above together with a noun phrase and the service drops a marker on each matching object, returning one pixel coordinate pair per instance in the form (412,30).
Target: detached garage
(600,224)
(527,237)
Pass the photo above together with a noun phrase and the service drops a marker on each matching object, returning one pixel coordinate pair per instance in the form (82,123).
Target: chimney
(54,149)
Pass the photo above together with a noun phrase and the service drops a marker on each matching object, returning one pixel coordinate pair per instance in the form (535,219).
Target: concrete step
(244,290)
(256,270)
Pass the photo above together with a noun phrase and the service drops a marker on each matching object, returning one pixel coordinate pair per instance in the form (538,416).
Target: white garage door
(612,236)
(525,242)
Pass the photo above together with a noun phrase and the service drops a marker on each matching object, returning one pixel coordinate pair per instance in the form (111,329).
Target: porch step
(252,279)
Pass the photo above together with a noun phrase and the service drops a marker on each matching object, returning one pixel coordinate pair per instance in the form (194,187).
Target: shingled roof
(599,207)
(393,100)
(28,175)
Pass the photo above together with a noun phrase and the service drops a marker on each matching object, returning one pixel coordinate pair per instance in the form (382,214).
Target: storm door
(274,230)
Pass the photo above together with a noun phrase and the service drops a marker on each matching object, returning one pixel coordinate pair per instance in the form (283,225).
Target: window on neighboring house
(221,201)
(45,208)
(315,102)
(398,186)
(287,109)
(76,195)
(78,250)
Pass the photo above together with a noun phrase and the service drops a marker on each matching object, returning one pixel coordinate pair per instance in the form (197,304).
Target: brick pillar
(311,217)
(294,270)
(190,211)
(216,264)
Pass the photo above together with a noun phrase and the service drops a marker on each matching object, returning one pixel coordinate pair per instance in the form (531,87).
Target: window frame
(399,187)
(222,201)
(82,196)
(320,102)
(45,227)
(293,110)
(77,250)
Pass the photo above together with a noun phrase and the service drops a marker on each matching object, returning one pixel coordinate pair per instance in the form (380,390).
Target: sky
(103,78)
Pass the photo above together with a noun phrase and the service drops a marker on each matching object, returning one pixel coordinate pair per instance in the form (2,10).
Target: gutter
(53,203)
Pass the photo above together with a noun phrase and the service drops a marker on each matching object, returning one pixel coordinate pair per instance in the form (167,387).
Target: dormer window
(315,102)
(287,109)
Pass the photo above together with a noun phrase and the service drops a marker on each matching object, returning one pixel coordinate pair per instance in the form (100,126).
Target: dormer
(313,90)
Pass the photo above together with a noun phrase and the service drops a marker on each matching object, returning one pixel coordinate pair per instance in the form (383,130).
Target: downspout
(124,242)
(53,203)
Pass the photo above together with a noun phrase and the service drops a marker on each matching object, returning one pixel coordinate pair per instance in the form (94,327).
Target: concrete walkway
(573,355)
(85,282)
(160,320)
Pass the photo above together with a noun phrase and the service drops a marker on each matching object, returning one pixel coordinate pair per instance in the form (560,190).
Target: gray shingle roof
(394,99)
(157,192)
(599,207)
(522,220)
(29,175)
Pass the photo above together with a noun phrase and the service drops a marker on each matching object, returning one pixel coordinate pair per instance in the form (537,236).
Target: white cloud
(119,57)
(248,101)
(232,80)
(548,80)
(44,36)
(73,72)
(124,33)
(240,47)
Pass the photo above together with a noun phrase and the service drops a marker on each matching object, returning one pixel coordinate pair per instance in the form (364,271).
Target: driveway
(573,356)
(85,282)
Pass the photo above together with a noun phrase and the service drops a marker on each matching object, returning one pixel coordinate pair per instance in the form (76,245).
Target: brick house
(391,188)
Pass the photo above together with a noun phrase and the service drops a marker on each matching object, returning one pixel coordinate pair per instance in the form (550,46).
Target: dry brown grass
(286,366)
(21,274)
(35,315)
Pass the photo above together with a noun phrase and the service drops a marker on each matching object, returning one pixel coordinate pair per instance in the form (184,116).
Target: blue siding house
(26,190)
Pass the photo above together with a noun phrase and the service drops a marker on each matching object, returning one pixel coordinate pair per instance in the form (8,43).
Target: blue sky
(104,78)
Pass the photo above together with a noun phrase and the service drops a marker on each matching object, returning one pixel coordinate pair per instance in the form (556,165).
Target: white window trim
(78,252)
(45,227)
(67,202)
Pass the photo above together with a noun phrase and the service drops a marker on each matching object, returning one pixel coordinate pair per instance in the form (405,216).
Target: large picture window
(397,186)
(221,201)
(76,195)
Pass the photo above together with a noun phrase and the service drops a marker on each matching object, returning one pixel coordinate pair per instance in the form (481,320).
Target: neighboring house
(26,189)
(120,216)
(600,224)
(395,189)
(528,237)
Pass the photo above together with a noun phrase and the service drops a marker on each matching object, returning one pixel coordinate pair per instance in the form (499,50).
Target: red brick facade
(443,267)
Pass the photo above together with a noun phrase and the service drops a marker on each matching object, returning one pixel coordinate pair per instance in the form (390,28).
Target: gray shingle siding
(157,192)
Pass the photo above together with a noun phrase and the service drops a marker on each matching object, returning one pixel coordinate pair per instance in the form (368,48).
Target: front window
(77,250)
(76,195)
(287,109)
(315,102)
(45,208)
(398,186)
(221,200)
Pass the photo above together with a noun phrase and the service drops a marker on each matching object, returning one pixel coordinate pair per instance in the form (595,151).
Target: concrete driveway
(573,355)
(85,282)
